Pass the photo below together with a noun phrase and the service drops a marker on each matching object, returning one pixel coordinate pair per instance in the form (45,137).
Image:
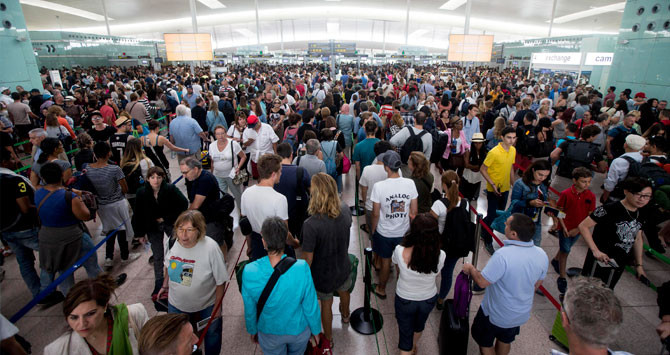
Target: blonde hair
(197,221)
(325,199)
(53,113)
(397,120)
(498,125)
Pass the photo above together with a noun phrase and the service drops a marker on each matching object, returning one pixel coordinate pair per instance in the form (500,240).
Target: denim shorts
(485,333)
(383,246)
(565,243)
(412,317)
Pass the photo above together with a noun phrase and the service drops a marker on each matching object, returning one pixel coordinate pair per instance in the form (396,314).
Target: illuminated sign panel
(470,48)
(188,46)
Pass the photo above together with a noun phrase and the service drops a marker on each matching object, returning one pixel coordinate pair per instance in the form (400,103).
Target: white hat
(635,142)
(2,89)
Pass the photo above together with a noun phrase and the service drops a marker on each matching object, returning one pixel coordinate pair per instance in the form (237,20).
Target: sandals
(345,319)
(374,290)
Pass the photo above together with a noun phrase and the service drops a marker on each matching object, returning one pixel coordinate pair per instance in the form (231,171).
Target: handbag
(242,176)
(322,348)
(498,224)
(456,161)
(346,164)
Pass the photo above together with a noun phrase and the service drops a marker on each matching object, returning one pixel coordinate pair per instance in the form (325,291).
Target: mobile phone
(602,264)
(202,324)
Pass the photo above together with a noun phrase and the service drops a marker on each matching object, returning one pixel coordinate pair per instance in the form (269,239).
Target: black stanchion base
(574,271)
(359,212)
(360,325)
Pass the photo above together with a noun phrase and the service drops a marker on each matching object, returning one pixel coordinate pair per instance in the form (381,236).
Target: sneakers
(562,284)
(489,248)
(554,263)
(108,264)
(52,299)
(131,257)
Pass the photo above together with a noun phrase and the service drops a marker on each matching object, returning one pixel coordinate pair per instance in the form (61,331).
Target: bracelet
(636,265)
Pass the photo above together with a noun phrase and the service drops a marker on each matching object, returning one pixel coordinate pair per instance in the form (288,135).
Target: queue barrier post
(367,320)
(478,231)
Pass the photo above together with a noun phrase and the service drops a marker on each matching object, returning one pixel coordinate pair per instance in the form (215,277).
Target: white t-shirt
(441,211)
(394,196)
(371,175)
(263,140)
(7,329)
(223,160)
(261,202)
(413,285)
(194,274)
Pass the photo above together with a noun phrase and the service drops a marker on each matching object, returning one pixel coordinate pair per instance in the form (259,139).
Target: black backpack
(458,236)
(440,142)
(617,142)
(576,154)
(527,141)
(412,144)
(649,170)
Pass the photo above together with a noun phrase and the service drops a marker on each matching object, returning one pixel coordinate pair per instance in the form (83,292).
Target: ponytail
(450,179)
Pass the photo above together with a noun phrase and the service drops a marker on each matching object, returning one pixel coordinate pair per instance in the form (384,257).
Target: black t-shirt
(288,185)
(200,115)
(118,142)
(305,127)
(328,239)
(101,136)
(84,156)
(576,153)
(12,188)
(274,117)
(615,231)
(5,140)
(205,185)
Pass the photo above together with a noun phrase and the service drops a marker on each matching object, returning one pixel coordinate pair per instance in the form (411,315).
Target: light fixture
(212,4)
(590,12)
(64,9)
(452,4)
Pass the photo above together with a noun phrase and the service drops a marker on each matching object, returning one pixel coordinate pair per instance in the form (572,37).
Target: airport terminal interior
(443,177)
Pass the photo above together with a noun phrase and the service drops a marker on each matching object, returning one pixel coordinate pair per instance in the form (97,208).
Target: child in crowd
(577,202)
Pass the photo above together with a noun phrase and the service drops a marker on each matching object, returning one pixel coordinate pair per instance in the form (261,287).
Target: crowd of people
(272,143)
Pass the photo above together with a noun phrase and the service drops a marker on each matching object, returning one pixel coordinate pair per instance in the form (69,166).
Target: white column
(258,25)
(281,35)
(407,22)
(384,39)
(551,22)
(104,11)
(468,8)
(194,19)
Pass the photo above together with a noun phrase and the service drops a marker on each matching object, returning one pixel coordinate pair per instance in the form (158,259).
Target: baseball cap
(635,142)
(252,119)
(391,159)
(640,95)
(119,121)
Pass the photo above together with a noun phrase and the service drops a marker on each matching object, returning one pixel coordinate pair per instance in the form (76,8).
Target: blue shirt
(55,211)
(364,152)
(191,99)
(513,271)
(470,127)
(185,132)
(292,305)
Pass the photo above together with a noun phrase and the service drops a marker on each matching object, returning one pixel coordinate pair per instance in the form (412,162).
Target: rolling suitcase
(454,321)
(454,331)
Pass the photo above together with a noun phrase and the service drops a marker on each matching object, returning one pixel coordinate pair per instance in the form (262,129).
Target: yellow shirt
(499,163)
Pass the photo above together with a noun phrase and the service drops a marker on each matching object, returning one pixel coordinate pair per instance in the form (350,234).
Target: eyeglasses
(187,230)
(643,197)
(186,172)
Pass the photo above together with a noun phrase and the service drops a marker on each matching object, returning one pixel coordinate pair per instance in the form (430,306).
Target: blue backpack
(292,139)
(329,150)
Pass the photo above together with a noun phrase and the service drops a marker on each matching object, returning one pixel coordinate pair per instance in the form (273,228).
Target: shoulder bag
(279,270)
(242,176)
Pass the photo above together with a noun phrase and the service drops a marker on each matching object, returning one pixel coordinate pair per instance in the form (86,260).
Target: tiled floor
(640,311)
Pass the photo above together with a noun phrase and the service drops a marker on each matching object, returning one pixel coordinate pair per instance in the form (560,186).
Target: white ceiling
(302,21)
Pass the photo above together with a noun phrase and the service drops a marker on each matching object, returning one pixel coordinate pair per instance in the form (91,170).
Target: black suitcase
(454,332)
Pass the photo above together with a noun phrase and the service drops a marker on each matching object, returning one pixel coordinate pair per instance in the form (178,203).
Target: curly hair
(324,198)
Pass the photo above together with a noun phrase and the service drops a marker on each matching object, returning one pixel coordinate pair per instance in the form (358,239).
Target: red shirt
(577,206)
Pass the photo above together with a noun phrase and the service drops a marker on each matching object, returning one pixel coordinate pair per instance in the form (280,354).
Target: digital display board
(470,48)
(188,46)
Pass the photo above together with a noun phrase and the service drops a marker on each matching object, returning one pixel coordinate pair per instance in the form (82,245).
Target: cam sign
(598,58)
(565,58)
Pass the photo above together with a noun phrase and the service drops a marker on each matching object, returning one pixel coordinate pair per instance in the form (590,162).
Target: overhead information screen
(188,46)
(470,48)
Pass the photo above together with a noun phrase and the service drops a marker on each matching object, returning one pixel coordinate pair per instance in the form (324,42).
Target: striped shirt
(106,183)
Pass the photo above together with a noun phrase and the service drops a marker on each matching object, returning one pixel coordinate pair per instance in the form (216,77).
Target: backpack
(462,295)
(576,154)
(464,107)
(527,141)
(648,170)
(172,103)
(329,158)
(134,177)
(458,236)
(89,200)
(440,142)
(412,144)
(228,111)
(292,139)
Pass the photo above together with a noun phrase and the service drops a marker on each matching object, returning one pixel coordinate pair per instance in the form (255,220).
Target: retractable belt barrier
(23,311)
